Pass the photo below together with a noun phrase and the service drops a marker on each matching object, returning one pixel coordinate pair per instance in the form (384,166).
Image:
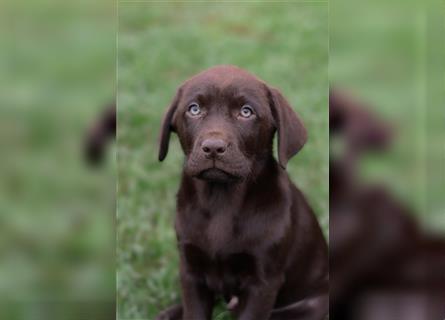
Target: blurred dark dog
(245,232)
(101,133)
(383,265)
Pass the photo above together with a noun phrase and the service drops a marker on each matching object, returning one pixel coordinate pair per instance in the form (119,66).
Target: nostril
(206,149)
(221,150)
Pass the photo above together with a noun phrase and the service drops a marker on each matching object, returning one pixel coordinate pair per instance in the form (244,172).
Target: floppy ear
(167,127)
(292,134)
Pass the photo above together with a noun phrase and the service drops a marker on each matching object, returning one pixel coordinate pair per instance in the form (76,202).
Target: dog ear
(167,126)
(292,134)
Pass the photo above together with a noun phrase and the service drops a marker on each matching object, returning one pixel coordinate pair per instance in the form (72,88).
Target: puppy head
(226,119)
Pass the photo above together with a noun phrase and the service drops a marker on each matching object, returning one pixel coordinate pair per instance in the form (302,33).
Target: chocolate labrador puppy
(245,232)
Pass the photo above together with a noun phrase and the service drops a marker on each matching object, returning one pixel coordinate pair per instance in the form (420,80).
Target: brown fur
(244,230)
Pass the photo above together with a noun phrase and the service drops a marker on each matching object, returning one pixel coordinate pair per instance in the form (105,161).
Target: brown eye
(246,111)
(194,109)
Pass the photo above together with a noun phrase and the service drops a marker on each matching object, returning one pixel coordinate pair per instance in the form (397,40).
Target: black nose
(213,147)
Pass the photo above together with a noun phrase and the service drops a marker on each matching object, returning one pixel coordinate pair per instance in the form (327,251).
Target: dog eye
(246,111)
(194,109)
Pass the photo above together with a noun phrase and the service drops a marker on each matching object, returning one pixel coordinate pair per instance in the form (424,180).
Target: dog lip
(217,175)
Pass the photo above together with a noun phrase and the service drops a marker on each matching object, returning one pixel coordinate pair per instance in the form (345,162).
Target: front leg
(259,300)
(197,299)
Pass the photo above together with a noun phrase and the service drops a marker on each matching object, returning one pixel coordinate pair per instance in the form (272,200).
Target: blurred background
(387,54)
(160,45)
(387,219)
(56,214)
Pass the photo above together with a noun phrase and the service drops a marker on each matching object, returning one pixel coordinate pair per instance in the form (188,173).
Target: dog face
(224,124)
(226,119)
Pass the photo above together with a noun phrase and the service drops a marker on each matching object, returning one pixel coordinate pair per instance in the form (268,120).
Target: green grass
(159,46)
(56,215)
(389,55)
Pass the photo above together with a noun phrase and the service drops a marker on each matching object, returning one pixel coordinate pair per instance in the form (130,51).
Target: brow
(247,96)
(205,91)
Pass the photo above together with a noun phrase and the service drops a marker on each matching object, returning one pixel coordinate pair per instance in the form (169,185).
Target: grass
(159,46)
(391,58)
(56,215)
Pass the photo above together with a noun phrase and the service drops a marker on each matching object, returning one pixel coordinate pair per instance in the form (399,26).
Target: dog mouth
(217,175)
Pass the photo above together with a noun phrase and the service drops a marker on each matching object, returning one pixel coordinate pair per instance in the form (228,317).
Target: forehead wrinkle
(227,80)
(227,84)
(205,90)
(248,94)
(237,91)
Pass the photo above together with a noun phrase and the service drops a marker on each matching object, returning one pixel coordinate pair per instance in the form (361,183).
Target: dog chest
(223,273)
